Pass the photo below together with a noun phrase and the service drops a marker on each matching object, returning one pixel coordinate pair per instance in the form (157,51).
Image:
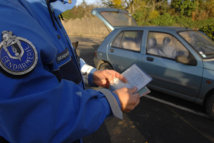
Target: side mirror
(186,60)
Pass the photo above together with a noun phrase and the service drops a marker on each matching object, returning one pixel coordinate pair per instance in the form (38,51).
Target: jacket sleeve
(39,108)
(43,110)
(87,72)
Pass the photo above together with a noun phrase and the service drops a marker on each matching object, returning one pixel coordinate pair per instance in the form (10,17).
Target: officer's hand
(129,99)
(104,78)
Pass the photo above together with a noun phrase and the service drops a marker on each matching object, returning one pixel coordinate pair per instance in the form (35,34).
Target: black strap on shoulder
(77,141)
(2,140)
(50,12)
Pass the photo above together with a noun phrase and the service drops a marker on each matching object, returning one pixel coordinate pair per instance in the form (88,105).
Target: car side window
(165,45)
(129,40)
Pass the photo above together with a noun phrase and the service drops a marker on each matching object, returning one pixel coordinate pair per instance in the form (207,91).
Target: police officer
(42,94)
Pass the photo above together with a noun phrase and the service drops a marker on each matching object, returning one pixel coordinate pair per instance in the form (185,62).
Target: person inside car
(168,50)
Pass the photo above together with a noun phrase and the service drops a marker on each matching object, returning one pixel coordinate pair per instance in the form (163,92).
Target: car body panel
(207,83)
(208,78)
(208,64)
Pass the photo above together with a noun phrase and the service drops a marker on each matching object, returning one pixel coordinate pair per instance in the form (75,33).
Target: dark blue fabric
(38,108)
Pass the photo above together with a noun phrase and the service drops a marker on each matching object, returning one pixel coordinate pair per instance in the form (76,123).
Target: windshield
(201,43)
(118,18)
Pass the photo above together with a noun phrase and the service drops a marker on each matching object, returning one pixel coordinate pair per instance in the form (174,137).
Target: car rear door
(125,49)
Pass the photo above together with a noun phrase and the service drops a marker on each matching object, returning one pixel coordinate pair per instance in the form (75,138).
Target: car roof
(158,28)
(108,9)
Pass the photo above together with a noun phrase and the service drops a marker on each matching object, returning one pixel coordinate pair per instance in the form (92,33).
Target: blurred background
(195,14)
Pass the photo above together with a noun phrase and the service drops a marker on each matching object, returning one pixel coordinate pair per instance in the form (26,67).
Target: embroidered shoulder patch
(18,56)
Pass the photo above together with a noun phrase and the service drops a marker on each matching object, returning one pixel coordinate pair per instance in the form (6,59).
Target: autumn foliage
(195,14)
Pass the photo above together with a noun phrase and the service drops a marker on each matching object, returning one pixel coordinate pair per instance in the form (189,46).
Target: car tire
(210,106)
(105,66)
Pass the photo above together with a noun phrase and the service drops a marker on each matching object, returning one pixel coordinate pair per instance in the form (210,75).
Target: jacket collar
(60,6)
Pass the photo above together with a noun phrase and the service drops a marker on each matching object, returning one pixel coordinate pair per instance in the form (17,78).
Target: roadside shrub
(184,21)
(163,20)
(141,15)
(208,30)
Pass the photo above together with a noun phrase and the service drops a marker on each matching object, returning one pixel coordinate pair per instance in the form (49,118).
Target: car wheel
(210,106)
(105,66)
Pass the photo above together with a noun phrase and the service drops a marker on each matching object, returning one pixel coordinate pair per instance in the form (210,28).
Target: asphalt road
(152,121)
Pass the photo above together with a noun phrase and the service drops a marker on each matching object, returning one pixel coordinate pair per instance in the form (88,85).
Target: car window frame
(170,35)
(191,45)
(123,31)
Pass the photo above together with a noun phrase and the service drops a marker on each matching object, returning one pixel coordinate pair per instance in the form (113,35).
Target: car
(179,60)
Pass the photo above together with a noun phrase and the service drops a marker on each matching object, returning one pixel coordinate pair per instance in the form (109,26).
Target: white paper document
(136,78)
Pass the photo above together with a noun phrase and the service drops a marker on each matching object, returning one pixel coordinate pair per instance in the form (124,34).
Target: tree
(184,7)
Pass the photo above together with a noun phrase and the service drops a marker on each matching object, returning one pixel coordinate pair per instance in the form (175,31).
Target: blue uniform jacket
(46,101)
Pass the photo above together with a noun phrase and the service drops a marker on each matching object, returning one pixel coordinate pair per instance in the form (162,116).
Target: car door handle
(150,59)
(112,50)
